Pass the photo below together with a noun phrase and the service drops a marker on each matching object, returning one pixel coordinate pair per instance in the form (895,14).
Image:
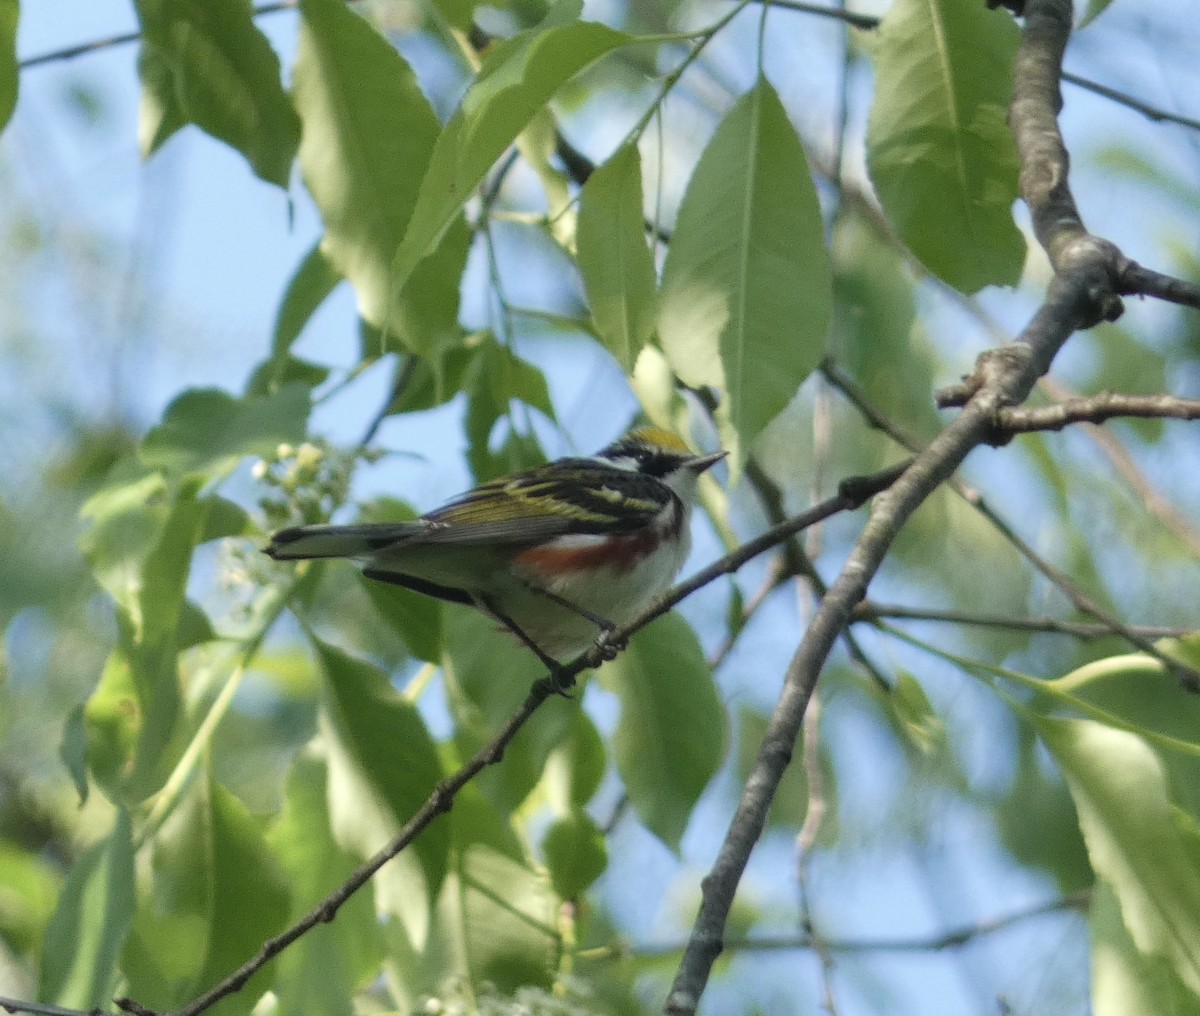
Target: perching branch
(852,493)
(1082,293)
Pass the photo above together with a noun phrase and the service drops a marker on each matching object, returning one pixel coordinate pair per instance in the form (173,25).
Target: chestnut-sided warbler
(554,554)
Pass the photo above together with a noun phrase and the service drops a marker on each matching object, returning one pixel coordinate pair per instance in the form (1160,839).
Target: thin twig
(844,383)
(1125,465)
(956,938)
(43,1009)
(870,611)
(1096,409)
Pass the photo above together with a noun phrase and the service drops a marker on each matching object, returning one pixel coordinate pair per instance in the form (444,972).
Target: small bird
(556,554)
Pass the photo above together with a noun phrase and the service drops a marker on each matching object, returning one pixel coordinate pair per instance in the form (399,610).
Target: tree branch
(1081,293)
(1186,675)
(952,939)
(869,611)
(1096,409)
(852,493)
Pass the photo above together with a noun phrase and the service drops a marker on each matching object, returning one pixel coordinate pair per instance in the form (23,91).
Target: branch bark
(1082,293)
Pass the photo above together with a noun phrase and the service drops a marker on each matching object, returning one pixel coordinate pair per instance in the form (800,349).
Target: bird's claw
(608,645)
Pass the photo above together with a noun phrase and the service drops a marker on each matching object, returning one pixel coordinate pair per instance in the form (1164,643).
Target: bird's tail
(301,542)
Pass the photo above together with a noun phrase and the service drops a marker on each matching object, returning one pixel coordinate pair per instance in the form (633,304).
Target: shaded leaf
(206,62)
(746,286)
(87,932)
(217,894)
(672,734)
(575,854)
(30,887)
(518,77)
(368,134)
(938,145)
(9,71)
(313,281)
(617,270)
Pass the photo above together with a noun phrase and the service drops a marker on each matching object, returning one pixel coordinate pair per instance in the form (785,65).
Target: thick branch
(1080,294)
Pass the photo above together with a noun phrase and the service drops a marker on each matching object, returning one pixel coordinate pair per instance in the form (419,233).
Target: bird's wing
(569,496)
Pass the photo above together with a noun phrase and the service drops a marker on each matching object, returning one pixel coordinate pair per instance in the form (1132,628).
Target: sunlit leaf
(614,260)
(207,62)
(1124,979)
(489,675)
(1122,798)
(518,77)
(939,149)
(368,134)
(320,974)
(672,733)
(382,766)
(86,934)
(746,286)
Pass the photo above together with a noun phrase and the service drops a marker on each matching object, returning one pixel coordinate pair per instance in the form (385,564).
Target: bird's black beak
(702,462)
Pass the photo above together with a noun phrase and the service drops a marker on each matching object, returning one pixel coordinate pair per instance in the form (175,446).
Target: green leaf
(488,675)
(10,73)
(1094,9)
(938,146)
(1136,688)
(30,887)
(672,733)
(204,428)
(206,62)
(217,893)
(575,853)
(746,295)
(575,766)
(368,135)
(314,280)
(874,335)
(517,79)
(1120,792)
(912,713)
(132,718)
(504,917)
(1124,979)
(320,974)
(88,930)
(618,272)
(383,765)
(790,804)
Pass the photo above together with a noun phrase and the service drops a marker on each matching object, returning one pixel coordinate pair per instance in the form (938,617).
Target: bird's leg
(607,645)
(560,682)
